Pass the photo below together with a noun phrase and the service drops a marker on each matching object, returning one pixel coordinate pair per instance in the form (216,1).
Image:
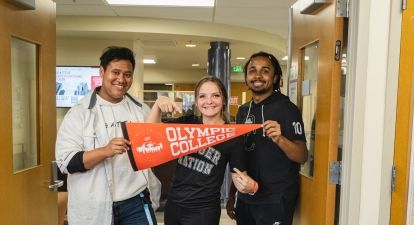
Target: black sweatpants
(178,215)
(265,214)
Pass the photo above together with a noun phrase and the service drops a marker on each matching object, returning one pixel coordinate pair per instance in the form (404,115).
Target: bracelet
(255,188)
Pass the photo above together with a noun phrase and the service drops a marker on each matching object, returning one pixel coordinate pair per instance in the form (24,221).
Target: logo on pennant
(149,146)
(155,143)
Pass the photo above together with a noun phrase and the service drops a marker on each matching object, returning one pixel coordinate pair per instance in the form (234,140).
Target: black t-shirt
(276,174)
(199,176)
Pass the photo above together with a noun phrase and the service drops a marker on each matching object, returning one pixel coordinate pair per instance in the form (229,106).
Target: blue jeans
(134,211)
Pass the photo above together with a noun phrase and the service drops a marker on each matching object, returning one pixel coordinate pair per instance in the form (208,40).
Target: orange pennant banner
(153,144)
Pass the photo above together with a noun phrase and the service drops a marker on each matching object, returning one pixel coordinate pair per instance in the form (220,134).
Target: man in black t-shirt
(275,152)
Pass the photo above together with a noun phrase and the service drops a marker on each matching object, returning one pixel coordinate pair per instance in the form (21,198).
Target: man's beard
(261,91)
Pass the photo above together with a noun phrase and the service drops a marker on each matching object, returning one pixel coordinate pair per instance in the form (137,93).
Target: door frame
(366,175)
(403,140)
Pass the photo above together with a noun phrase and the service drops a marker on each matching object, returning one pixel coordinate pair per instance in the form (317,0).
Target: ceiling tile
(269,20)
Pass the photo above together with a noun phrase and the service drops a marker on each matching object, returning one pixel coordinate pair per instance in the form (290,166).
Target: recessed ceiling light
(195,64)
(149,61)
(183,3)
(190,45)
(240,58)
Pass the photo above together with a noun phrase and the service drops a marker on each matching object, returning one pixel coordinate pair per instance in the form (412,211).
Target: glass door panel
(24,104)
(309,96)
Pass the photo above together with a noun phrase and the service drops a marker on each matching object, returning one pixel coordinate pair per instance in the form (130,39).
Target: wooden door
(403,141)
(316,45)
(25,198)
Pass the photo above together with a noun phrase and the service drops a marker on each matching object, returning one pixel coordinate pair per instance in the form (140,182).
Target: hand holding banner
(155,143)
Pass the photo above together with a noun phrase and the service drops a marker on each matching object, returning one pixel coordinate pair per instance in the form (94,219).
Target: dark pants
(134,211)
(177,215)
(265,214)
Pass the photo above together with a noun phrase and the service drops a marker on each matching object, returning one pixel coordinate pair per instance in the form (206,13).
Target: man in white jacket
(90,147)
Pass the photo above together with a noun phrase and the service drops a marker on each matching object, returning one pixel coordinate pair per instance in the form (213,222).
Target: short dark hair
(222,89)
(275,64)
(115,53)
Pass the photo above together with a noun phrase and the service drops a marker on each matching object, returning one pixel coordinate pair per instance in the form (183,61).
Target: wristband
(255,188)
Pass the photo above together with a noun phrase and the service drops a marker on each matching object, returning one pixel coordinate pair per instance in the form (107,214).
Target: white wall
(83,52)
(370,112)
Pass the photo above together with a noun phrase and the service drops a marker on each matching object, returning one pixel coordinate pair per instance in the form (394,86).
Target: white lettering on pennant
(189,139)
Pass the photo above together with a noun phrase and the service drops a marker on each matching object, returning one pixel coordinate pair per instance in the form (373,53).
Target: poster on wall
(293,85)
(293,91)
(74,82)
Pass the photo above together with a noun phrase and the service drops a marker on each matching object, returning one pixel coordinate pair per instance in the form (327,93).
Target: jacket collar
(92,101)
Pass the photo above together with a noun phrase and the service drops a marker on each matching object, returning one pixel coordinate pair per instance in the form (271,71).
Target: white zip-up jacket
(90,192)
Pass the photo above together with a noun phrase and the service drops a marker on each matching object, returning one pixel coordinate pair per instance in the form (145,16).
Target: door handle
(54,182)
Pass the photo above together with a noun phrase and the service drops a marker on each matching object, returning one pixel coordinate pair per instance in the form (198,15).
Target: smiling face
(116,80)
(260,76)
(209,100)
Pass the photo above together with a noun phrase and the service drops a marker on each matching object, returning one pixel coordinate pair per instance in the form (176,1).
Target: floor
(224,220)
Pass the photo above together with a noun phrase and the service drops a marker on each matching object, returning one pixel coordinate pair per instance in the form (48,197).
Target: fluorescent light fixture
(240,58)
(285,58)
(190,45)
(182,3)
(149,61)
(195,64)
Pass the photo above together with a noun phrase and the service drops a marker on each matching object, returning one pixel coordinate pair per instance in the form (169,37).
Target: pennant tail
(129,151)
